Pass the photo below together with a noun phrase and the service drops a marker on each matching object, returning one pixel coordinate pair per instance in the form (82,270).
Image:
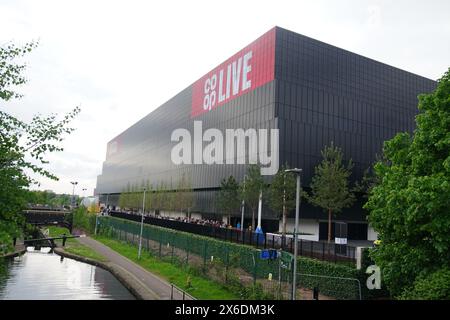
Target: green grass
(84,251)
(73,246)
(201,288)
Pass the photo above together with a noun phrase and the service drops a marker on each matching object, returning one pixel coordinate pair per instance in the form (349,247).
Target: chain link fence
(238,267)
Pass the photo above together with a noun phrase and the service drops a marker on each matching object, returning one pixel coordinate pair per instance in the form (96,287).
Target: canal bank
(40,274)
(134,285)
(147,285)
(143,284)
(18,250)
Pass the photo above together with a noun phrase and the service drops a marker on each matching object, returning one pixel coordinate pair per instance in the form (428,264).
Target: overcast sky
(119,60)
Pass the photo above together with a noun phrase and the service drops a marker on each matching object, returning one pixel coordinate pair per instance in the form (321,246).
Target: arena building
(312,92)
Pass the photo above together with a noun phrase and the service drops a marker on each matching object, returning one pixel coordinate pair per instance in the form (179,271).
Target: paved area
(157,287)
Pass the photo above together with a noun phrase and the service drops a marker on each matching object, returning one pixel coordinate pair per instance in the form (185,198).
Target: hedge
(247,258)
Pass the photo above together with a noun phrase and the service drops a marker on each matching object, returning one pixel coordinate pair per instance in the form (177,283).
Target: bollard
(315,293)
(64,239)
(14,241)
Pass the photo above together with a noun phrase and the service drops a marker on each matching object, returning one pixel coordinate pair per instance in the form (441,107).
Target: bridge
(41,216)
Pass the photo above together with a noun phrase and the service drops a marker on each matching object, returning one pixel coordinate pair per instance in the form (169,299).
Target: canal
(46,276)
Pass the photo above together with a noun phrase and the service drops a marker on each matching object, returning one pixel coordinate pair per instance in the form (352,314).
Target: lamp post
(74,183)
(243,208)
(142,225)
(297,208)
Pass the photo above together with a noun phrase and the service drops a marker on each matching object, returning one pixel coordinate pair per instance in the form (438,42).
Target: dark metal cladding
(320,94)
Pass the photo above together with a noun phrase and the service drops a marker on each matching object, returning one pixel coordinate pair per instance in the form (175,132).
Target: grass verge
(73,246)
(200,287)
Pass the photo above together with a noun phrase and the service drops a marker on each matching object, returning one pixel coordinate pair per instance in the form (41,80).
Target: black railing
(314,249)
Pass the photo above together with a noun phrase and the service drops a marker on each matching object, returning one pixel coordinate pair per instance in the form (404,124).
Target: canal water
(38,276)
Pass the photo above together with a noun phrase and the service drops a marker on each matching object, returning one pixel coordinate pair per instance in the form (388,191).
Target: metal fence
(184,294)
(240,268)
(345,288)
(314,249)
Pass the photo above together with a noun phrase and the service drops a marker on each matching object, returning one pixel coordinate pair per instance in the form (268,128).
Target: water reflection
(38,275)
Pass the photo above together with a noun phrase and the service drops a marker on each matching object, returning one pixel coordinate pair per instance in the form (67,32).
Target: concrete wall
(371,234)
(305,226)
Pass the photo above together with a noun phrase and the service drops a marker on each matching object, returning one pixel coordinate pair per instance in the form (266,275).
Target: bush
(84,220)
(238,256)
(434,286)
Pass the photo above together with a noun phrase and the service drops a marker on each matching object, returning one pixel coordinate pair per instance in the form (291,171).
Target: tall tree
(330,184)
(282,194)
(189,196)
(409,208)
(228,198)
(182,194)
(149,197)
(250,189)
(23,146)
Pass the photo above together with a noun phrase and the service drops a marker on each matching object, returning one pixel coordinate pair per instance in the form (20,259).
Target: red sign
(247,70)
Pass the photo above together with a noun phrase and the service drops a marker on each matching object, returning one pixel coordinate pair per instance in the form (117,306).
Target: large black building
(314,93)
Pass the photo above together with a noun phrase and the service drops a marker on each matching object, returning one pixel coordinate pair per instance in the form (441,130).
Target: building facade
(312,92)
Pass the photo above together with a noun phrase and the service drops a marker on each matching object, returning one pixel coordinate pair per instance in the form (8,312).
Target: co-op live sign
(247,70)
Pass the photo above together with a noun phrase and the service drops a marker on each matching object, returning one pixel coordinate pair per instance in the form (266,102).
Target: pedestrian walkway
(157,288)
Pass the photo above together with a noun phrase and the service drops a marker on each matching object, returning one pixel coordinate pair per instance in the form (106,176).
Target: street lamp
(243,208)
(142,225)
(74,183)
(84,189)
(297,208)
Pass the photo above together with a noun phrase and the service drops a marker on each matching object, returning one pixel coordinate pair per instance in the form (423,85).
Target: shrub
(237,256)
(84,220)
(434,286)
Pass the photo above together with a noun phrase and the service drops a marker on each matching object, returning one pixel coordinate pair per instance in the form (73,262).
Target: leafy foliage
(84,220)
(244,257)
(410,206)
(10,71)
(330,184)
(228,199)
(37,197)
(251,188)
(282,193)
(162,197)
(23,146)
(434,286)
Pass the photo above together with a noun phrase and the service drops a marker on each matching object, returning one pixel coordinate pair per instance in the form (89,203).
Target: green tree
(160,196)
(189,196)
(182,194)
(330,184)
(149,197)
(251,188)
(23,146)
(122,198)
(282,194)
(135,197)
(409,208)
(228,198)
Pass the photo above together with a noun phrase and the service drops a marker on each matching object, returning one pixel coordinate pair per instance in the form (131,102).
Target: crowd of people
(203,222)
